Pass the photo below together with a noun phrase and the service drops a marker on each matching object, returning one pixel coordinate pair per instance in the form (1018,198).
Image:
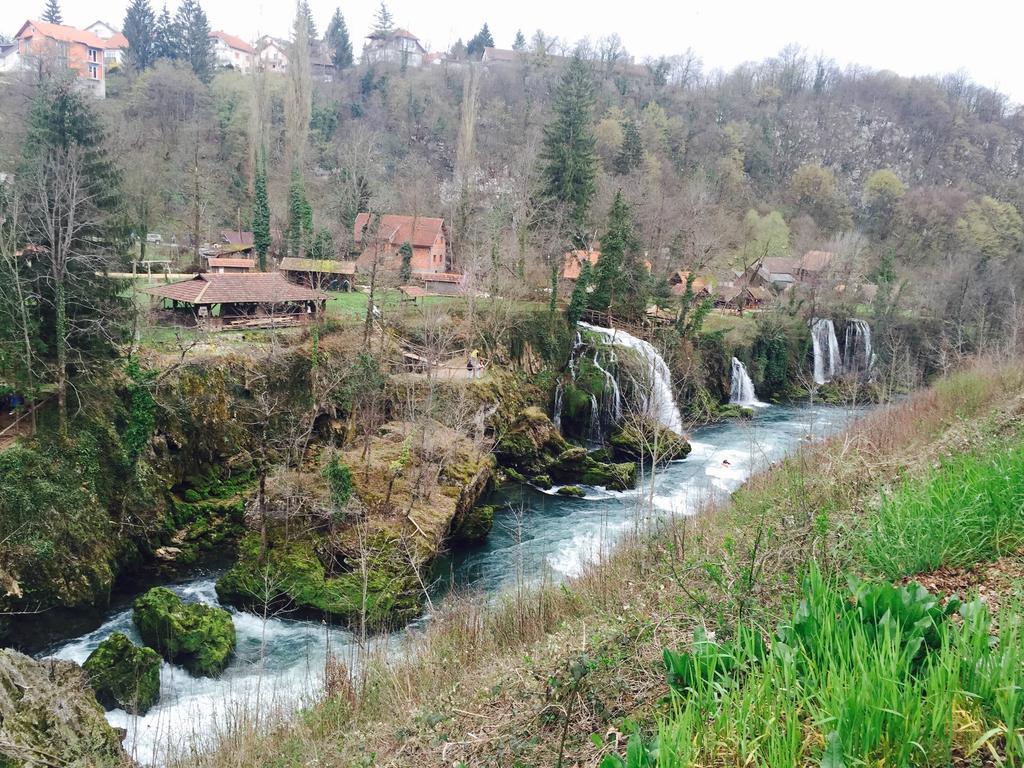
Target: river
(279,663)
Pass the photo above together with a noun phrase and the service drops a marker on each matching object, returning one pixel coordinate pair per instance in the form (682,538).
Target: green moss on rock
(300,583)
(636,442)
(475,525)
(199,637)
(123,675)
(49,716)
(572,490)
(542,481)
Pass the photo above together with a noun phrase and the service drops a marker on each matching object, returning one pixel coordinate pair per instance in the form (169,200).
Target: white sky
(911,37)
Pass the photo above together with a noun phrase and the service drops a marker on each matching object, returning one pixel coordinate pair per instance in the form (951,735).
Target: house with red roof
(62,47)
(382,237)
(116,43)
(232,52)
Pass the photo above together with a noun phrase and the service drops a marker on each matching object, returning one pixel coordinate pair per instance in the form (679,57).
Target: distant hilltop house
(10,58)
(782,273)
(65,47)
(116,43)
(320,273)
(232,52)
(701,287)
(398,46)
(272,54)
(425,234)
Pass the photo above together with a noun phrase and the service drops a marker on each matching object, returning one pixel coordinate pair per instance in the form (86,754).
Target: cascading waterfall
(857,354)
(659,402)
(556,415)
(742,390)
(827,362)
(594,429)
(612,385)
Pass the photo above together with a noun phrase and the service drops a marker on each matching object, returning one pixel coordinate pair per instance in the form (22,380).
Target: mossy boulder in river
(49,716)
(199,637)
(124,675)
(642,441)
(375,585)
(534,447)
(572,490)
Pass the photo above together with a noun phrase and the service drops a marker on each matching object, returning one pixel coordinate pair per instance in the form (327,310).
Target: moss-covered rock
(572,490)
(734,411)
(542,481)
(574,465)
(199,637)
(377,584)
(531,443)
(475,525)
(636,442)
(123,675)
(49,716)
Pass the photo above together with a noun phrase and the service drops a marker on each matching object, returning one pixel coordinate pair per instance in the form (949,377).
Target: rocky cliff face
(50,717)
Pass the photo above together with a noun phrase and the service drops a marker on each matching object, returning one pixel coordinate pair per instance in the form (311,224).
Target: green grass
(877,676)
(739,331)
(969,510)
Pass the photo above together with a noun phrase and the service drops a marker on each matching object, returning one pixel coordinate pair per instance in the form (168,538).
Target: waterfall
(827,362)
(594,430)
(660,404)
(857,354)
(612,384)
(742,391)
(556,416)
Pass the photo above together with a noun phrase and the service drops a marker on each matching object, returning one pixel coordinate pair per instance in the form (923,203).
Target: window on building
(94,71)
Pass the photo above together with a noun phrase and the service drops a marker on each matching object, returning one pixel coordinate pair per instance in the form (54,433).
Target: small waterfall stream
(660,403)
(827,362)
(742,388)
(857,355)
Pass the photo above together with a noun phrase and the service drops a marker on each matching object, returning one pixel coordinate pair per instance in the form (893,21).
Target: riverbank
(552,665)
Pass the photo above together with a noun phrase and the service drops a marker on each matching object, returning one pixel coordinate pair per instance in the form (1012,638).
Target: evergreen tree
(578,300)
(140,31)
(631,153)
(520,42)
(307,13)
(479,42)
(193,33)
(261,213)
(622,280)
(405,272)
(383,22)
(165,37)
(322,246)
(72,210)
(52,14)
(568,157)
(338,41)
(300,217)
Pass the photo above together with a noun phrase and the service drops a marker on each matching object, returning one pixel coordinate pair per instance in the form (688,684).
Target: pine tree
(52,14)
(578,300)
(338,41)
(261,213)
(307,13)
(300,217)
(165,37)
(72,206)
(520,42)
(140,31)
(621,279)
(480,41)
(405,272)
(322,247)
(631,153)
(383,21)
(193,32)
(568,157)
